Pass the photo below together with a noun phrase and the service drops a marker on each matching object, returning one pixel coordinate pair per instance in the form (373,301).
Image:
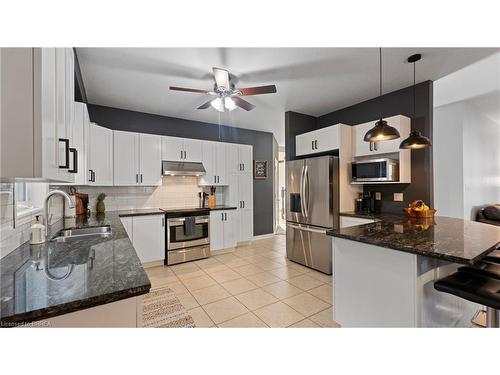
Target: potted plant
(100,208)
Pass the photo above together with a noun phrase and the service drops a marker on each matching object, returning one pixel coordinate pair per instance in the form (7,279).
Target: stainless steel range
(187,236)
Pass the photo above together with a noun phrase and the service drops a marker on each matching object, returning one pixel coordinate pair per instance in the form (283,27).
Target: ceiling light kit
(227,97)
(416,140)
(382,131)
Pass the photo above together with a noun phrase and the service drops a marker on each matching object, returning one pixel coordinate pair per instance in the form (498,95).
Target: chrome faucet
(46,206)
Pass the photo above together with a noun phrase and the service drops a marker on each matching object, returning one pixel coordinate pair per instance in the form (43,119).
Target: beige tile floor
(250,286)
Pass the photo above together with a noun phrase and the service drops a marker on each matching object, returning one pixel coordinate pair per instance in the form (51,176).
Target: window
(29,197)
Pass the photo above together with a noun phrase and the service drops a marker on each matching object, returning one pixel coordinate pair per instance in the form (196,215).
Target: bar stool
(473,285)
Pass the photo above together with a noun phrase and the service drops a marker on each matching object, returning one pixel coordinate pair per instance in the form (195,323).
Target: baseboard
(263,236)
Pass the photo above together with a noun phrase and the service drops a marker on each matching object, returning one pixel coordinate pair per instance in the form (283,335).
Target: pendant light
(416,140)
(382,131)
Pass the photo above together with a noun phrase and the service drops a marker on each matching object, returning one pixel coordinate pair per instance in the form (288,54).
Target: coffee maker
(367,203)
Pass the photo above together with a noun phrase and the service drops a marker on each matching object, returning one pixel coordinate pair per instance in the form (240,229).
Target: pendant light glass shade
(382,131)
(415,141)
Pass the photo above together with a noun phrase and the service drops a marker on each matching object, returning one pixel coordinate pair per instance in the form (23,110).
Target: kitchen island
(92,281)
(384,271)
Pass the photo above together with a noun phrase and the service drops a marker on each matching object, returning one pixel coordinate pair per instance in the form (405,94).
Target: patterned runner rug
(162,309)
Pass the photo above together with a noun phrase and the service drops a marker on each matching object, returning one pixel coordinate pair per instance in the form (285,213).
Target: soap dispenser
(37,232)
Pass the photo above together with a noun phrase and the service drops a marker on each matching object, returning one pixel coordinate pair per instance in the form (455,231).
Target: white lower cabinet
(147,234)
(245,224)
(223,234)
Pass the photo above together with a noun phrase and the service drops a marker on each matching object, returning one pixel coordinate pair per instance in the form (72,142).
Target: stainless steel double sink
(76,233)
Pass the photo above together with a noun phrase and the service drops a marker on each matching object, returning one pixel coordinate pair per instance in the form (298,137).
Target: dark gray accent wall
(262,142)
(296,123)
(398,102)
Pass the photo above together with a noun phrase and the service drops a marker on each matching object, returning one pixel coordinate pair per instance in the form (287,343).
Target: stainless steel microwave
(375,170)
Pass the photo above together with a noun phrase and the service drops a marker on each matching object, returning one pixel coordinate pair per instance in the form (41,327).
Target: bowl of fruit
(418,208)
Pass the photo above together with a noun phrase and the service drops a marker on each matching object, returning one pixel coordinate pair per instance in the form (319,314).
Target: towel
(189,226)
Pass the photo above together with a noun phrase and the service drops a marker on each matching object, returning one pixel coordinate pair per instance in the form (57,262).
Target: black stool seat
(494,257)
(472,287)
(486,269)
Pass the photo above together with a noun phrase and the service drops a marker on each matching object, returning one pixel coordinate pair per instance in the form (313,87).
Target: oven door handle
(180,221)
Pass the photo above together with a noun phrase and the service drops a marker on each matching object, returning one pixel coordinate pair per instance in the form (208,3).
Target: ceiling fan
(227,97)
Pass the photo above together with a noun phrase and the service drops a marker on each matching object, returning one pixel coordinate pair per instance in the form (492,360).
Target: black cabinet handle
(371,146)
(141,178)
(136,178)
(312,145)
(90,178)
(215,179)
(316,144)
(375,146)
(93,176)
(225,216)
(222,216)
(243,204)
(66,153)
(185,154)
(75,160)
(243,166)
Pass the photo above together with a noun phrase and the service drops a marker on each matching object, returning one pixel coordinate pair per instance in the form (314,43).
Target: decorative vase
(101,207)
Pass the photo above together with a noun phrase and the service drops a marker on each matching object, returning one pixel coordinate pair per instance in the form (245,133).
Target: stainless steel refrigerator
(312,208)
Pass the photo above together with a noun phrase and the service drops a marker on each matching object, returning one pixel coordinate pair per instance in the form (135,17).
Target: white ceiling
(314,81)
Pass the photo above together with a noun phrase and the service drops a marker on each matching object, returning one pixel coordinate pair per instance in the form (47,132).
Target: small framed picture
(260,169)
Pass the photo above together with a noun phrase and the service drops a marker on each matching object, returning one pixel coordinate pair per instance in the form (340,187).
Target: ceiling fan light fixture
(218,104)
(382,131)
(229,103)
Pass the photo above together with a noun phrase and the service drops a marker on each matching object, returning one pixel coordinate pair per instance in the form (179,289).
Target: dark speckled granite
(454,240)
(50,279)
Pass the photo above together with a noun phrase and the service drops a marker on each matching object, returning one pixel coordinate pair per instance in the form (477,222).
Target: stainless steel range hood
(182,168)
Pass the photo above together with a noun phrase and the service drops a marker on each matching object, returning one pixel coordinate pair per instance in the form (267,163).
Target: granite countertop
(162,211)
(55,278)
(454,240)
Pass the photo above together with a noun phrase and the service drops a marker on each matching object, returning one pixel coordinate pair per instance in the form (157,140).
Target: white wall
(466,139)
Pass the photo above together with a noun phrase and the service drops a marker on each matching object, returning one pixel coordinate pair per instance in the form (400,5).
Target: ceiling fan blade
(221,77)
(271,89)
(205,105)
(188,90)
(242,103)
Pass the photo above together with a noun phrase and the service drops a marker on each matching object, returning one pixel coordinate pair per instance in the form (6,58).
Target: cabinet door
(304,144)
(231,233)
(50,144)
(327,139)
(125,158)
(127,224)
(192,150)
(216,230)
(208,156)
(245,158)
(220,163)
(80,133)
(150,159)
(100,155)
(61,118)
(69,91)
(245,191)
(246,224)
(172,148)
(149,237)
(233,164)
(233,196)
(360,147)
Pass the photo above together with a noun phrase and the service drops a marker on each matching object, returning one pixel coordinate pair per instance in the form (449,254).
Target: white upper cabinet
(80,143)
(35,113)
(125,158)
(100,156)
(239,158)
(149,159)
(321,140)
(137,159)
(362,148)
(214,159)
(181,149)
(192,150)
(172,148)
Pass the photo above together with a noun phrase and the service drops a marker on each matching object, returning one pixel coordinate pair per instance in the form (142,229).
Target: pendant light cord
(380,75)
(414,89)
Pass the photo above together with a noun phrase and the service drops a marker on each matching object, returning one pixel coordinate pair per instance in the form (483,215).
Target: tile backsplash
(175,192)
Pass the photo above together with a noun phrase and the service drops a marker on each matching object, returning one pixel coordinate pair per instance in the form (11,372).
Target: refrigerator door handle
(307,229)
(301,192)
(306,192)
